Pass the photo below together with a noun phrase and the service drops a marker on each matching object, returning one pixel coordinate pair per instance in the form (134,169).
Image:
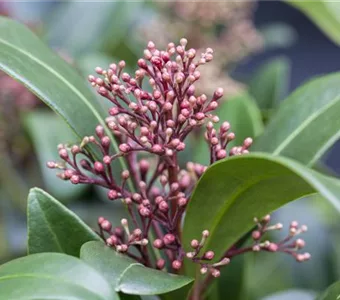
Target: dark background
(311,54)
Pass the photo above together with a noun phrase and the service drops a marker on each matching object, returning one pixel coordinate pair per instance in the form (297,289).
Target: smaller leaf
(128,276)
(331,293)
(54,228)
(52,276)
(325,14)
(270,83)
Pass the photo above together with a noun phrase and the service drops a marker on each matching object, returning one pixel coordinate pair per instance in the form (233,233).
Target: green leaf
(307,123)
(325,14)
(331,293)
(128,276)
(47,130)
(245,120)
(54,228)
(52,276)
(235,190)
(25,58)
(270,83)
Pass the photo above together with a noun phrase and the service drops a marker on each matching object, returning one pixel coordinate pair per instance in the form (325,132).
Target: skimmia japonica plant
(153,112)
(186,223)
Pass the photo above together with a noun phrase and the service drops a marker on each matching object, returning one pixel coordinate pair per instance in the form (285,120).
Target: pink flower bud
(112,194)
(273,247)
(194,244)
(218,93)
(200,116)
(182,202)
(63,153)
(101,220)
(152,105)
(215,273)
(51,164)
(105,141)
(167,106)
(209,255)
(69,173)
(99,167)
(158,243)
(144,212)
(160,264)
(100,131)
(176,264)
(163,206)
(124,148)
(300,243)
(125,174)
(247,142)
(256,235)
(168,239)
(122,248)
(157,149)
(144,165)
(205,233)
(75,179)
(180,147)
(142,63)
(107,159)
(106,225)
(221,154)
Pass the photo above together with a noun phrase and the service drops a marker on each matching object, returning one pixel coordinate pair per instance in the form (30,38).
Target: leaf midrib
(49,227)
(121,276)
(303,125)
(56,74)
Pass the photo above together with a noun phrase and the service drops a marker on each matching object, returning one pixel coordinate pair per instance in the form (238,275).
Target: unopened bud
(176,264)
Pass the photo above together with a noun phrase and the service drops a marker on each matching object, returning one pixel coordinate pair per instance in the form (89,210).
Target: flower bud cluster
(218,141)
(289,244)
(153,112)
(157,107)
(204,258)
(120,238)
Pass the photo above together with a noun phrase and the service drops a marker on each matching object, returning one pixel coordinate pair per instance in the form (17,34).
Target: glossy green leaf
(53,80)
(270,83)
(325,14)
(54,228)
(47,130)
(128,276)
(331,293)
(235,190)
(307,123)
(245,120)
(52,276)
